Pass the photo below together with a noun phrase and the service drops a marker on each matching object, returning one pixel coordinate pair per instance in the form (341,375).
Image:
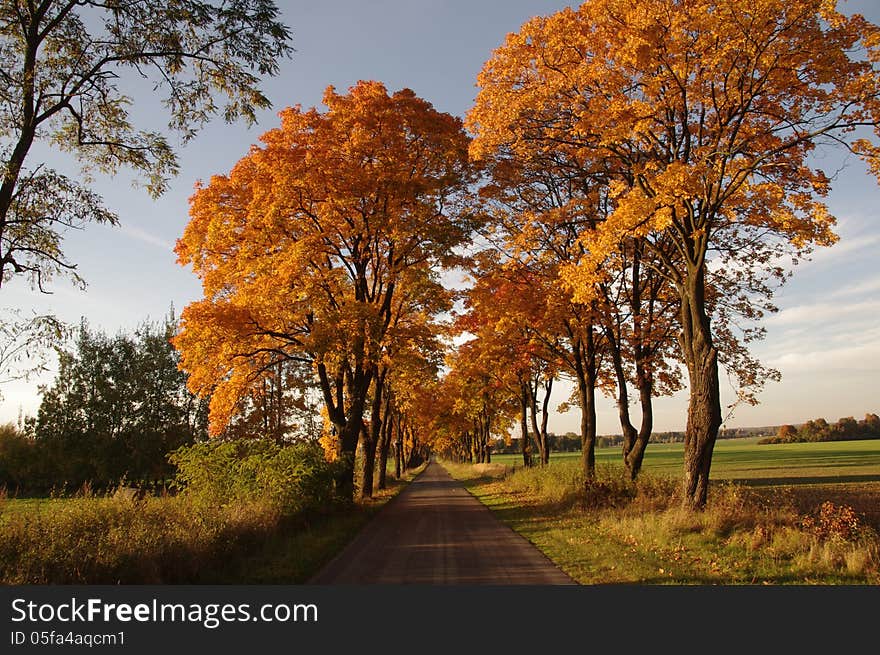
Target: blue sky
(825,339)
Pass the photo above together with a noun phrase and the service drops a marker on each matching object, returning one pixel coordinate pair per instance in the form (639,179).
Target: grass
(112,539)
(765,523)
(294,553)
(745,460)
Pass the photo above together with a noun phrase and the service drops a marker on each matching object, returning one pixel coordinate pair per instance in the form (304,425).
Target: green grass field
(743,460)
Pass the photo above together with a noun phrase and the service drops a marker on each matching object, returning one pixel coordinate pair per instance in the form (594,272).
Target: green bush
(293,478)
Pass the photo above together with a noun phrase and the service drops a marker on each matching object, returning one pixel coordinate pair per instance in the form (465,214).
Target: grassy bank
(620,532)
(115,539)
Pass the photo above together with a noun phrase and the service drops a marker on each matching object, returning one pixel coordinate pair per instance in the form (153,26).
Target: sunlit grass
(620,532)
(111,539)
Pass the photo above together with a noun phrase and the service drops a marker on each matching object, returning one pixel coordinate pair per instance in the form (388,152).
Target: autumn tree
(307,247)
(64,63)
(411,354)
(484,403)
(699,117)
(504,315)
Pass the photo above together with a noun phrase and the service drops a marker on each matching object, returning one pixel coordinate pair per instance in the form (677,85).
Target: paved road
(435,532)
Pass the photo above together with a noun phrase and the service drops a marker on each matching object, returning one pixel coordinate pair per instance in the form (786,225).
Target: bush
(293,478)
(233,495)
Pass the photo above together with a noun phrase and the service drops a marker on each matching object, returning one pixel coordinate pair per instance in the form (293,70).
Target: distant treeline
(819,429)
(117,407)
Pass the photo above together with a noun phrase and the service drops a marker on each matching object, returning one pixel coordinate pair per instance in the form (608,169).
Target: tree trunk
(704,403)
(385,443)
(627,429)
(633,459)
(540,432)
(585,372)
(371,437)
(350,432)
(545,415)
(523,414)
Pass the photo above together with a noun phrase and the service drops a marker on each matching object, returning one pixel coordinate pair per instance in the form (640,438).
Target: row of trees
(644,174)
(322,248)
(820,430)
(649,172)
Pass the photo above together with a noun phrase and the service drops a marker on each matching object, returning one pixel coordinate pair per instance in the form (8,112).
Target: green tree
(64,64)
(117,407)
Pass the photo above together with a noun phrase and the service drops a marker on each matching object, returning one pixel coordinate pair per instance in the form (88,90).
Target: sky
(825,339)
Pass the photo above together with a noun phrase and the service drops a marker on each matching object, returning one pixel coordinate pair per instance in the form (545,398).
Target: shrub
(838,523)
(293,478)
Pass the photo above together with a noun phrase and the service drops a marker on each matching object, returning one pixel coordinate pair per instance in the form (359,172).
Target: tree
(25,342)
(699,118)
(117,407)
(63,65)
(787,434)
(308,248)
(503,315)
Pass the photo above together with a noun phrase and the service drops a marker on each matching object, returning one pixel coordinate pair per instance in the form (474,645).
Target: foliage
(693,123)
(820,430)
(293,478)
(25,344)
(117,406)
(835,523)
(117,539)
(322,247)
(64,65)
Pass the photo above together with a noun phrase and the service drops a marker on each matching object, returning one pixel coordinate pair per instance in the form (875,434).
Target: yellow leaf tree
(304,249)
(699,118)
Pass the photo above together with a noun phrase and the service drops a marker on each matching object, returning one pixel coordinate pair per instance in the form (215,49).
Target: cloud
(859,357)
(866,287)
(825,312)
(146,237)
(846,246)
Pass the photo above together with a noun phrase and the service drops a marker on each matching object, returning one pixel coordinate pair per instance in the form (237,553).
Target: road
(434,532)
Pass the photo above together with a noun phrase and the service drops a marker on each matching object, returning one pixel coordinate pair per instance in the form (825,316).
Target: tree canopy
(695,121)
(316,243)
(67,67)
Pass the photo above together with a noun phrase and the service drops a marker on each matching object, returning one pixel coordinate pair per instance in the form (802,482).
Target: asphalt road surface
(434,532)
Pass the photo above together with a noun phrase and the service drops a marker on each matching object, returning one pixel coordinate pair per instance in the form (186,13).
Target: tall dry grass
(116,539)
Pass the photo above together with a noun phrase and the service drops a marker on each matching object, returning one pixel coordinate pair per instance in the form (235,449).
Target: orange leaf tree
(305,246)
(516,336)
(699,117)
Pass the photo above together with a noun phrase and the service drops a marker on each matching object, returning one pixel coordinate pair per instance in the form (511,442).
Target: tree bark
(585,372)
(540,432)
(704,403)
(398,452)
(371,437)
(385,442)
(628,430)
(635,456)
(523,423)
(349,429)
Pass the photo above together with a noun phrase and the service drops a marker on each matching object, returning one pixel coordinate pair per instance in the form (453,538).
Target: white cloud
(859,357)
(865,287)
(846,246)
(825,312)
(146,237)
